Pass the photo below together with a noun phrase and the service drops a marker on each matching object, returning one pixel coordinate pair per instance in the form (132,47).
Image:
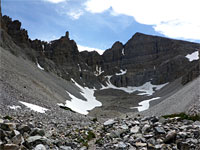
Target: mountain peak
(117,45)
(139,35)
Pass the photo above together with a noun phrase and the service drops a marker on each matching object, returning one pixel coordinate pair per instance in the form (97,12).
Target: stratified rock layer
(144,57)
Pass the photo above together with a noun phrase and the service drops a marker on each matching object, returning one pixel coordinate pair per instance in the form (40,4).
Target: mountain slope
(178,102)
(146,67)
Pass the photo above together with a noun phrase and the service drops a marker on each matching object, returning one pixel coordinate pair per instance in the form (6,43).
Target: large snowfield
(79,105)
(145,89)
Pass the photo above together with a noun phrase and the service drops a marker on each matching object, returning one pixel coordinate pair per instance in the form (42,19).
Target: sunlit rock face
(145,58)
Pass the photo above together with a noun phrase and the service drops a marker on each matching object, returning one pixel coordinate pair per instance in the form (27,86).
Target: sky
(97,24)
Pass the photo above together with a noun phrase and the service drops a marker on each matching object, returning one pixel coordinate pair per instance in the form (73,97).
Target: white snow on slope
(121,73)
(34,107)
(14,107)
(82,106)
(98,71)
(144,105)
(123,53)
(43,46)
(193,56)
(38,65)
(79,68)
(146,89)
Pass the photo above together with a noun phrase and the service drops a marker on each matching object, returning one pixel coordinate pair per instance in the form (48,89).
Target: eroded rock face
(113,54)
(192,72)
(162,60)
(143,58)
(13,28)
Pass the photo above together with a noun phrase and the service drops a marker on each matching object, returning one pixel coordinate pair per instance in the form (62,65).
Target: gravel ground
(21,80)
(180,101)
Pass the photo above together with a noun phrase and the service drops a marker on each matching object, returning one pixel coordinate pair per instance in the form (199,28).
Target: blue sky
(99,23)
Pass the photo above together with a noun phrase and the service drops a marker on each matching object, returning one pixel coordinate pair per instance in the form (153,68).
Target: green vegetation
(84,142)
(90,135)
(99,141)
(86,138)
(94,119)
(183,116)
(7,117)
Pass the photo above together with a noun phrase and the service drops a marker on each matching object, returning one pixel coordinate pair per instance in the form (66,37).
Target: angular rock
(125,127)
(1,121)
(2,134)
(117,133)
(16,132)
(196,134)
(35,140)
(196,123)
(150,146)
(24,128)
(18,139)
(37,131)
(183,146)
(139,144)
(7,126)
(121,145)
(146,128)
(159,130)
(65,148)
(10,147)
(135,129)
(170,137)
(40,147)
(109,122)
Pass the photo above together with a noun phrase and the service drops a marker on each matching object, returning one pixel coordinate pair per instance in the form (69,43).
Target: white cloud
(173,18)
(89,49)
(97,6)
(75,14)
(55,1)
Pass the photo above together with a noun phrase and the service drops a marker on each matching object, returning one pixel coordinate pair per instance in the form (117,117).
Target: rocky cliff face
(59,56)
(13,28)
(191,73)
(147,57)
(143,58)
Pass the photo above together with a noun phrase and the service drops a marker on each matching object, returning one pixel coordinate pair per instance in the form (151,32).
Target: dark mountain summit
(144,58)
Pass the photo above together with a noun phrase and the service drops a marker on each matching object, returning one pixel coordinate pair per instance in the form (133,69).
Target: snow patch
(193,56)
(98,71)
(38,65)
(14,107)
(123,53)
(122,72)
(82,106)
(79,68)
(43,46)
(144,105)
(34,107)
(146,89)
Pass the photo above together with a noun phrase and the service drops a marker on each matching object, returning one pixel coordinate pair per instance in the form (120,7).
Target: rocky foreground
(142,133)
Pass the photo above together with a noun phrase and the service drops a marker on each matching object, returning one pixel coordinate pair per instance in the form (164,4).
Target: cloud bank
(75,14)
(173,18)
(89,49)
